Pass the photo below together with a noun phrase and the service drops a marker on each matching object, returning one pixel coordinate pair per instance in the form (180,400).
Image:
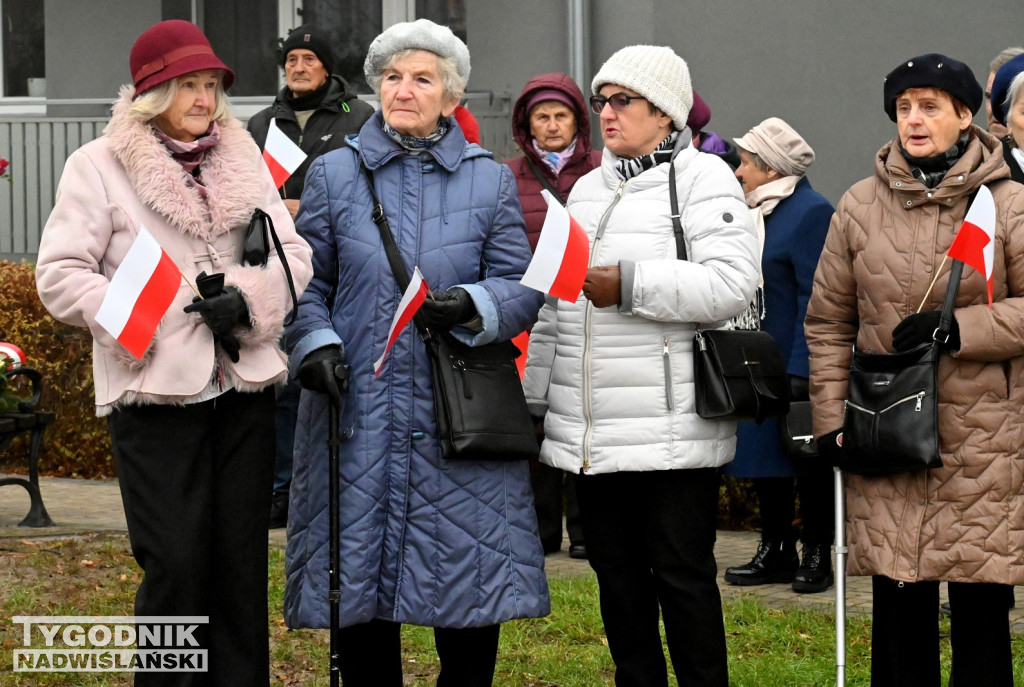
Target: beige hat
(779,145)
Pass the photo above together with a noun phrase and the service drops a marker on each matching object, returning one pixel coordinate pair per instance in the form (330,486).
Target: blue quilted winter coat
(423,540)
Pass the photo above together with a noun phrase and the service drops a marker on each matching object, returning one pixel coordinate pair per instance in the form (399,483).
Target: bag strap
(259,215)
(673,199)
(543,179)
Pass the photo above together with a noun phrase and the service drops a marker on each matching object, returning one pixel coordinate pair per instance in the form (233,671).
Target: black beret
(1001,84)
(308,37)
(933,71)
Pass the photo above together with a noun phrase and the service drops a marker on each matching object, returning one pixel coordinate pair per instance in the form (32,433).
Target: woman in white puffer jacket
(612,373)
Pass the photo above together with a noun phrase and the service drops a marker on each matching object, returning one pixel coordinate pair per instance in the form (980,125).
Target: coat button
(929,194)
(960,178)
(913,573)
(909,203)
(899,184)
(927,268)
(727,217)
(418,435)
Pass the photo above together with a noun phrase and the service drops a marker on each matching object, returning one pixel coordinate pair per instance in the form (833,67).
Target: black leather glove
(222,312)
(447,309)
(830,447)
(798,389)
(920,327)
(323,370)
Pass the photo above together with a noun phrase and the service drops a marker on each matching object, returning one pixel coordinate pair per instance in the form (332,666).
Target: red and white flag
(411,301)
(281,154)
(974,244)
(559,264)
(139,294)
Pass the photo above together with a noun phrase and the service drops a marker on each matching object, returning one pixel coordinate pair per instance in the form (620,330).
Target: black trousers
(815,485)
(549,486)
(651,540)
(905,634)
(196,482)
(370,655)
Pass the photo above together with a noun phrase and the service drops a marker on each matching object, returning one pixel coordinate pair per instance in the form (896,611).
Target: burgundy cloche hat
(170,49)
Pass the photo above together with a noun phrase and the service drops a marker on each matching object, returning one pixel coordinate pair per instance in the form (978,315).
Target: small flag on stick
(411,301)
(282,156)
(140,292)
(559,264)
(974,244)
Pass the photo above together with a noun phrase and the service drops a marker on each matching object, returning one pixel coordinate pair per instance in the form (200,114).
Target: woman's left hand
(602,287)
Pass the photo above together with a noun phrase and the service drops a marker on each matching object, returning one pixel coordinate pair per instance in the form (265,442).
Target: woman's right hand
(318,371)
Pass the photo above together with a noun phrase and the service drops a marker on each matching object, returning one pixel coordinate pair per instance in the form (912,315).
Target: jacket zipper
(919,397)
(588,323)
(668,374)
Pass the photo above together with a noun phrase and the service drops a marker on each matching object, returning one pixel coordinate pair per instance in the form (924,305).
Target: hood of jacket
(521,117)
(233,183)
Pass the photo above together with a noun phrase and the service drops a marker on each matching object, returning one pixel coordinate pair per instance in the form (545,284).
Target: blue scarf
(417,143)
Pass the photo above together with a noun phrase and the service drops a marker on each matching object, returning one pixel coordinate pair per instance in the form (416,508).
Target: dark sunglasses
(618,101)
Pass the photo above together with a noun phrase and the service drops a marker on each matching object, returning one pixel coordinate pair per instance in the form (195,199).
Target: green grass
(96,575)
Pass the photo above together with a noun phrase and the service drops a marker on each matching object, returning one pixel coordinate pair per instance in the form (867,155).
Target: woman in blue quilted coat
(449,545)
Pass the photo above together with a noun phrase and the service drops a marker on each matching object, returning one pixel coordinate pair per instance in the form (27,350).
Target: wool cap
(421,34)
(171,49)
(700,114)
(656,73)
(309,37)
(546,95)
(933,71)
(1001,86)
(779,145)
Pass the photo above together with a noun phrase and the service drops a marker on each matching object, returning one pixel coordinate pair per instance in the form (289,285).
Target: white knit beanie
(656,73)
(421,34)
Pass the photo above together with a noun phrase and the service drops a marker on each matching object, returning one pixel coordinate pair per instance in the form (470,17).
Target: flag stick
(934,279)
(191,285)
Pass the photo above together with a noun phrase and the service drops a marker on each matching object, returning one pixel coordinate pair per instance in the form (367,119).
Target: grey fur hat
(421,34)
(656,73)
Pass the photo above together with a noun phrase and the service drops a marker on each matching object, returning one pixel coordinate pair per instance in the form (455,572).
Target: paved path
(82,506)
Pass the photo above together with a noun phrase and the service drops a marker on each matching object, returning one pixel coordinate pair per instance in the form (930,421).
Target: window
(352,26)
(243,33)
(451,13)
(24,63)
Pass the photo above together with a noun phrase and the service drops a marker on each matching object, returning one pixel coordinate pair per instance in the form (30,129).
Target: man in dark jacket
(551,125)
(315,110)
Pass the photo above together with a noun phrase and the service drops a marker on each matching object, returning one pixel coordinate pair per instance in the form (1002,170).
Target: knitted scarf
(417,143)
(629,167)
(930,170)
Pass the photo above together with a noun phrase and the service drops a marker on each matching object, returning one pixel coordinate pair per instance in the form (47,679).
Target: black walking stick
(334,439)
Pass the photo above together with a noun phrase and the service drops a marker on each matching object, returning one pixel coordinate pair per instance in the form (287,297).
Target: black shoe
(278,511)
(775,561)
(815,572)
(578,551)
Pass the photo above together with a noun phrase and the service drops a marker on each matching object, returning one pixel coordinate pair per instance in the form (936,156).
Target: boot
(775,561)
(815,572)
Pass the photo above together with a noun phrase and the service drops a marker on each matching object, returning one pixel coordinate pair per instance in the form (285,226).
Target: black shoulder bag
(892,407)
(256,251)
(479,403)
(738,374)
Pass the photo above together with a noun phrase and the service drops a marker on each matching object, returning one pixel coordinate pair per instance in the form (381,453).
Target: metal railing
(37,147)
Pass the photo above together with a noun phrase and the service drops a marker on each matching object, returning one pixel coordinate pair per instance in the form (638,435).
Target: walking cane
(840,580)
(334,439)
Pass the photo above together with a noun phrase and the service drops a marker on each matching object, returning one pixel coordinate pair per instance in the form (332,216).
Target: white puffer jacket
(617,383)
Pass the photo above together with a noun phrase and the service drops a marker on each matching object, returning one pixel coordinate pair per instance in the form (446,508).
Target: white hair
(1013,91)
(453,84)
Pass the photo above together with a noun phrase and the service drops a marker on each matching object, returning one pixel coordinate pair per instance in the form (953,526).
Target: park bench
(27,419)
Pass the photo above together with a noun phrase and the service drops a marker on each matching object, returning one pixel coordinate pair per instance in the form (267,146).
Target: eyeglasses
(618,101)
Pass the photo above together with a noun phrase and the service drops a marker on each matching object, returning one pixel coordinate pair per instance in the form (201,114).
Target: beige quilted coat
(963,522)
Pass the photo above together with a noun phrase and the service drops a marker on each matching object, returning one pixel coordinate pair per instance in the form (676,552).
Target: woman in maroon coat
(551,125)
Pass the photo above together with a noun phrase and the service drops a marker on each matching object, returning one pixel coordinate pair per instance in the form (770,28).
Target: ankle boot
(775,561)
(815,572)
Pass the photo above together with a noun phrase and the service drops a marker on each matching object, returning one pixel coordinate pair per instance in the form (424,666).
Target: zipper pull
(700,341)
(664,350)
(460,365)
(920,400)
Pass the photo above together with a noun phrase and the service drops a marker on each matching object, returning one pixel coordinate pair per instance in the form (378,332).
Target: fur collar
(230,173)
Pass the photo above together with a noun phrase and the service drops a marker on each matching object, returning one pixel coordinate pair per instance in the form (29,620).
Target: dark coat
(341,112)
(794,235)
(583,160)
(1016,173)
(423,540)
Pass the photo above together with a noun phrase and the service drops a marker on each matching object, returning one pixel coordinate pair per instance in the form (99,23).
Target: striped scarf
(629,167)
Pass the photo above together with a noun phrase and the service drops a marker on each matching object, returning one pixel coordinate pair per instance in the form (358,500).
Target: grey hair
(1004,57)
(453,84)
(1013,91)
(759,161)
(156,100)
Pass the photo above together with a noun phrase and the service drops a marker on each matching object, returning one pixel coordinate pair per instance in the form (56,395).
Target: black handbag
(479,404)
(796,431)
(738,374)
(892,407)
(256,252)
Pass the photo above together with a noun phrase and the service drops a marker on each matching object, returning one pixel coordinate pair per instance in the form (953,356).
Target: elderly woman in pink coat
(191,417)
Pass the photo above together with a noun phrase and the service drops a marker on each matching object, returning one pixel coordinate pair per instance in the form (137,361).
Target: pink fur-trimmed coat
(127,179)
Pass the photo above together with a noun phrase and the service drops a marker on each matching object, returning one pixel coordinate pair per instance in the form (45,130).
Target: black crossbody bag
(256,251)
(479,404)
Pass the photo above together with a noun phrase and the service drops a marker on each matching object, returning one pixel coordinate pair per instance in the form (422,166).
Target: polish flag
(411,301)
(281,155)
(139,294)
(974,244)
(559,264)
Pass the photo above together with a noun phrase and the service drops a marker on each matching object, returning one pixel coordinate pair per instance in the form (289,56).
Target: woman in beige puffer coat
(964,522)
